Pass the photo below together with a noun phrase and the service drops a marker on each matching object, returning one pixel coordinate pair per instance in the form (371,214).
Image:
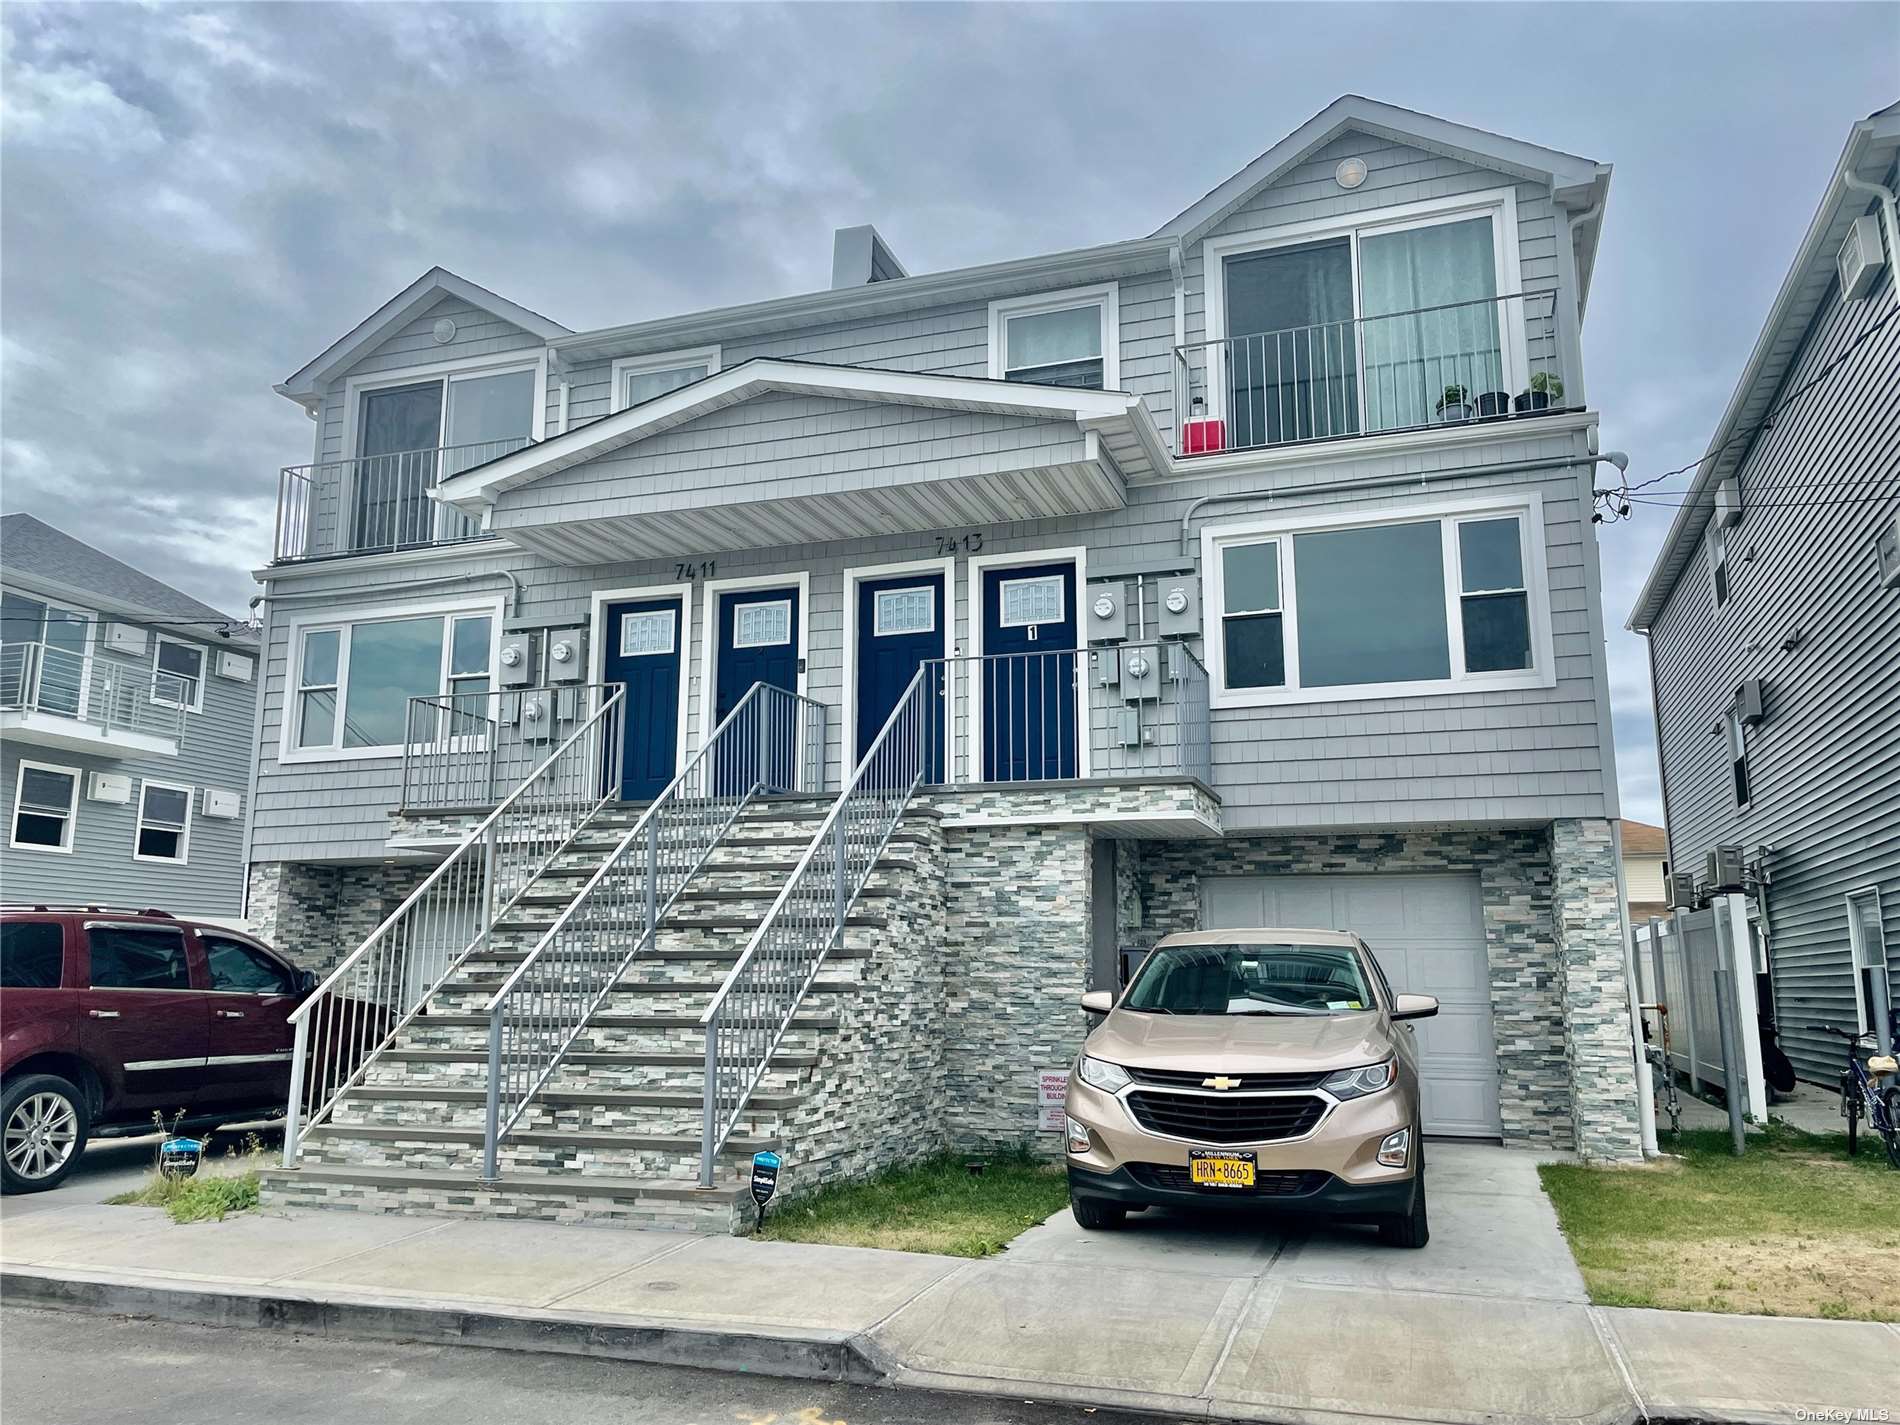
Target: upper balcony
(69,700)
(375,504)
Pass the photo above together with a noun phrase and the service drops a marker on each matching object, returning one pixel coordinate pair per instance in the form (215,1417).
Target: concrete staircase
(615,1135)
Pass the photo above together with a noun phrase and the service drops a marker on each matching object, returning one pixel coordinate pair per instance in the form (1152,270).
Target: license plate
(1220,1170)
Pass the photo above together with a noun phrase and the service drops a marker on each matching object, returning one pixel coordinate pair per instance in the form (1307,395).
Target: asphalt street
(60,1369)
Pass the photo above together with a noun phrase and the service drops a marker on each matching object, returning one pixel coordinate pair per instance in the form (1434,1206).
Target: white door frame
(946,623)
(981,564)
(597,636)
(709,651)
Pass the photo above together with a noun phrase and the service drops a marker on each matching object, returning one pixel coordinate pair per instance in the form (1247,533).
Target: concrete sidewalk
(1227,1321)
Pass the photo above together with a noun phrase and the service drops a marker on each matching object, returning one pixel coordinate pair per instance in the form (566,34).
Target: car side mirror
(306,981)
(1098,1001)
(1414,1006)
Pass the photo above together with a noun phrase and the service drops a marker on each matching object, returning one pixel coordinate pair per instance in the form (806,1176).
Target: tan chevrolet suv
(1262,1067)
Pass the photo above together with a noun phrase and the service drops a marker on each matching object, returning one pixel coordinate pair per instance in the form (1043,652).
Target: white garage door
(1428,934)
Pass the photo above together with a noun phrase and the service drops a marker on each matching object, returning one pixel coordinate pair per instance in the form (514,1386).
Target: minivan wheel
(1094,1215)
(1409,1229)
(44,1122)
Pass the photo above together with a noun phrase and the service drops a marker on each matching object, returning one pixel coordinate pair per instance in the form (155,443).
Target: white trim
(197,704)
(947,624)
(72,809)
(1715,552)
(1859,952)
(980,564)
(90,641)
(1105,295)
(345,620)
(715,589)
(707,356)
(1499,203)
(740,641)
(597,625)
(1527,505)
(183,858)
(1735,741)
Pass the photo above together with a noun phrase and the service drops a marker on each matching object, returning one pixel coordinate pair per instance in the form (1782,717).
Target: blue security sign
(179,1157)
(764,1177)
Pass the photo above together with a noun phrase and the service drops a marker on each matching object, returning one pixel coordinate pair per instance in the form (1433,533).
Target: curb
(817,1356)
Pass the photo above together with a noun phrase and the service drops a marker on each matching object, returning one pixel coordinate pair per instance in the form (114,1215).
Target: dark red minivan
(110,1016)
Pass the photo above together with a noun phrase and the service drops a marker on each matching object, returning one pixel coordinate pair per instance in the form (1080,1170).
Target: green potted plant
(1546,390)
(1454,405)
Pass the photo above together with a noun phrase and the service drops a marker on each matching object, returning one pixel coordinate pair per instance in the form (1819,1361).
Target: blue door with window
(901,623)
(1028,689)
(643,651)
(758,643)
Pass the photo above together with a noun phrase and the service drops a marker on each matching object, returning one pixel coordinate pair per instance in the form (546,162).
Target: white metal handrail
(111,694)
(773,741)
(379,987)
(754,1006)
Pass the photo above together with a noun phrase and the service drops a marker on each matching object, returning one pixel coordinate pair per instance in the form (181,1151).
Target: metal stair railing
(753,1008)
(773,741)
(380,986)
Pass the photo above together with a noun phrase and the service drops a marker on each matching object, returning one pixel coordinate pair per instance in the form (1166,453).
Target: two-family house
(757,727)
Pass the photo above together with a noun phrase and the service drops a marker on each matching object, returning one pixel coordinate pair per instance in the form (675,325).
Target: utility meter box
(1141,673)
(567,660)
(517,660)
(1108,612)
(1180,599)
(1106,666)
(537,716)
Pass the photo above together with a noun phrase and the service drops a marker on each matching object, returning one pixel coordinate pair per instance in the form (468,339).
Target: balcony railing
(376,503)
(467,750)
(1458,362)
(100,693)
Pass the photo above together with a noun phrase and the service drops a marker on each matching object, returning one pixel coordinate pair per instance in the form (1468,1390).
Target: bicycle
(1870,1090)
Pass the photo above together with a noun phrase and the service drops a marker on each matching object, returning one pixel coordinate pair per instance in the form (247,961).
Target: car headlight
(1357,1083)
(1099,1073)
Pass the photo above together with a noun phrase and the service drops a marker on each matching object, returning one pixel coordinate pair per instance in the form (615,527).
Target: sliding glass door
(1292,366)
(1431,323)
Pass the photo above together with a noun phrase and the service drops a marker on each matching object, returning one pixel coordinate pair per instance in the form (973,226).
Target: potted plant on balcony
(1546,390)
(1454,405)
(1492,404)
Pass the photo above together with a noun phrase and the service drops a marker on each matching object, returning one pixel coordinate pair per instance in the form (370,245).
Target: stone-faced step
(580,1116)
(605,1033)
(708,956)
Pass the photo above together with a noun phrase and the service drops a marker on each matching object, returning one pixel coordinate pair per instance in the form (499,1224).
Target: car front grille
(1166,1179)
(1210,1118)
(1195,1078)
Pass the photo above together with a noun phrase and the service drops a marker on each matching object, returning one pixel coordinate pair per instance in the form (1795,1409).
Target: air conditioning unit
(1681,891)
(1748,710)
(109,787)
(238,667)
(1728,503)
(1722,869)
(1887,550)
(1860,258)
(125,638)
(222,804)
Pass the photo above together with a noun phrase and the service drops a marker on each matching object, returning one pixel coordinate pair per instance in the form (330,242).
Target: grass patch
(935,1205)
(1792,1228)
(196,1199)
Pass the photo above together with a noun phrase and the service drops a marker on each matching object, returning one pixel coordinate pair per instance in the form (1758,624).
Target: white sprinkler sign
(1052,1089)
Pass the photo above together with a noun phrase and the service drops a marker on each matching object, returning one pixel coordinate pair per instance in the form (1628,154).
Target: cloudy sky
(194,200)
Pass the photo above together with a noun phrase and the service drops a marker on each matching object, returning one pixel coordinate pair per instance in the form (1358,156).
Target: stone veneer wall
(1529,987)
(1590,946)
(316,913)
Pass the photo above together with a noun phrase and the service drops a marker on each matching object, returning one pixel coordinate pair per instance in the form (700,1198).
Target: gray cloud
(198,199)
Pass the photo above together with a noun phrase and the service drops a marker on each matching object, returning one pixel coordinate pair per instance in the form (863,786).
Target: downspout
(1573,346)
(1889,212)
(1178,266)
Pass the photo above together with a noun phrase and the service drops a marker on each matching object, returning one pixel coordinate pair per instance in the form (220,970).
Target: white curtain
(1428,324)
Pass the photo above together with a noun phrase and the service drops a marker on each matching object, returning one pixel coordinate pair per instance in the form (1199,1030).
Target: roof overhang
(183,620)
(1873,146)
(305,387)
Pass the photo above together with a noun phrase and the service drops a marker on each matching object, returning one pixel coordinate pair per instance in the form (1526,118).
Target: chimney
(859,257)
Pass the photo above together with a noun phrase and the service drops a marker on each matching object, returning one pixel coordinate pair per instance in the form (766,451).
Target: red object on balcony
(1203,437)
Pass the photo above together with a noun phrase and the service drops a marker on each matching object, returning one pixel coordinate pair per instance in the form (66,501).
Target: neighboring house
(1201,601)
(1773,618)
(127,712)
(1645,866)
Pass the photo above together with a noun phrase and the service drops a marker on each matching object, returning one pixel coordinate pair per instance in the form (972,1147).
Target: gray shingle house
(1773,619)
(759,726)
(127,712)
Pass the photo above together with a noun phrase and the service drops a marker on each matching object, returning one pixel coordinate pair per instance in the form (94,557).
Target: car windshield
(1250,979)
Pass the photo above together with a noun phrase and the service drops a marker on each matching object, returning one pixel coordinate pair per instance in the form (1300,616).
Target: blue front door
(643,651)
(901,623)
(758,643)
(1028,688)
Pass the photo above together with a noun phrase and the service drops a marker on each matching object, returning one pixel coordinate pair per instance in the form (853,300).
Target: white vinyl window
(1375,606)
(1869,942)
(1031,601)
(904,611)
(1717,550)
(1067,338)
(1737,753)
(178,674)
(355,680)
(164,827)
(764,625)
(45,807)
(638,379)
(646,634)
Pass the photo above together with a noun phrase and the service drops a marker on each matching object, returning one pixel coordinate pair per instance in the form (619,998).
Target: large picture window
(1372,607)
(1064,338)
(355,680)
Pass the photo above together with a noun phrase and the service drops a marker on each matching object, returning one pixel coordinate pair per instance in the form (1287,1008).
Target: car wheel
(1409,1229)
(45,1123)
(1095,1216)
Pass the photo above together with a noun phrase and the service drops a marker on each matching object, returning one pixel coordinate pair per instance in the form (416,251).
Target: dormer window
(1066,338)
(639,379)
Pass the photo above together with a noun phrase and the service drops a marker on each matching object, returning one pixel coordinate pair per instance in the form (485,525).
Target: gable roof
(1872,148)
(35,555)
(404,307)
(1642,839)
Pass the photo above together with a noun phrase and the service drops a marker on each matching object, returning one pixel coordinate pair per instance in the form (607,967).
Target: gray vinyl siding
(1824,765)
(213,753)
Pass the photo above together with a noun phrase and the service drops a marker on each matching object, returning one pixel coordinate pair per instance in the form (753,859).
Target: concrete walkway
(1230,1320)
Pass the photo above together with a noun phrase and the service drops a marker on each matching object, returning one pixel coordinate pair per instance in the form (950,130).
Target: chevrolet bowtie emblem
(1220,1082)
